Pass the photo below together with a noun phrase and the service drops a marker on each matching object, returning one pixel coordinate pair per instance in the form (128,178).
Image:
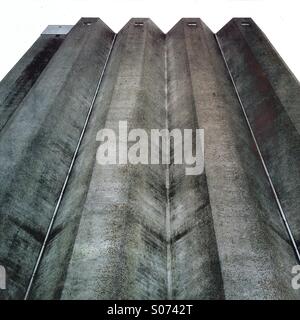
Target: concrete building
(73,229)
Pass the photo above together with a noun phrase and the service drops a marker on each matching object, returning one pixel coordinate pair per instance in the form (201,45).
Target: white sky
(22,21)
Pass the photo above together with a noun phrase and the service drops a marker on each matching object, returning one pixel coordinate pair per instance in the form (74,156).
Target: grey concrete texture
(195,258)
(271,96)
(150,231)
(127,208)
(37,146)
(18,82)
(245,216)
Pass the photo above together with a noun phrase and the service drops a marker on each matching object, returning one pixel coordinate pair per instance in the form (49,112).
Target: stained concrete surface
(192,226)
(149,231)
(270,96)
(37,146)
(18,82)
(246,219)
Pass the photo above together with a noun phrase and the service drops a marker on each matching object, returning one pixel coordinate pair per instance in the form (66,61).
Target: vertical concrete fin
(45,134)
(18,82)
(192,227)
(270,97)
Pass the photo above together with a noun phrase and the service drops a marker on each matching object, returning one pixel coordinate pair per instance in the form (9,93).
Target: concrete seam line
(69,173)
(168,213)
(281,211)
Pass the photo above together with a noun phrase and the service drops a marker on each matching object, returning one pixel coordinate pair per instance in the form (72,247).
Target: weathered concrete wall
(195,258)
(271,97)
(17,83)
(255,261)
(149,231)
(118,250)
(37,146)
